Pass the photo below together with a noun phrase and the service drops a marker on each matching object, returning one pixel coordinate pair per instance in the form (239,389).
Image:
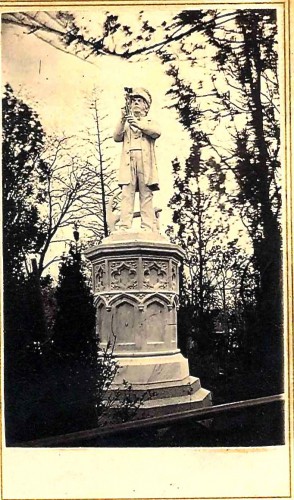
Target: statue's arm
(151,128)
(118,135)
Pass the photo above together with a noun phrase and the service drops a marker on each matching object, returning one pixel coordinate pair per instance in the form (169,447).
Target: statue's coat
(150,132)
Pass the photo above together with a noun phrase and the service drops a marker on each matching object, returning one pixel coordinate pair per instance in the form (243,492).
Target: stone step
(180,388)
(164,406)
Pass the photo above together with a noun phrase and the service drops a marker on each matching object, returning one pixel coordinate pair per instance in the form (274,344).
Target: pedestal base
(158,385)
(136,288)
(150,370)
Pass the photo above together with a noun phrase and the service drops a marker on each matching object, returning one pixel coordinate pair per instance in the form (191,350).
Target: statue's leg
(128,199)
(146,199)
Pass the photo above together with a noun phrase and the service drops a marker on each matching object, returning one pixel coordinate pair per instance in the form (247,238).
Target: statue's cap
(139,91)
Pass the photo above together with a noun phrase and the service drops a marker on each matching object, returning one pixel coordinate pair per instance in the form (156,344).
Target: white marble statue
(138,170)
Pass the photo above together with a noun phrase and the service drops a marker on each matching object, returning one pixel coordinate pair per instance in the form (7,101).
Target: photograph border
(288,9)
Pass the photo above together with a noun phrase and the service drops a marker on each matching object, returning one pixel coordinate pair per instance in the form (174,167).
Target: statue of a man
(138,170)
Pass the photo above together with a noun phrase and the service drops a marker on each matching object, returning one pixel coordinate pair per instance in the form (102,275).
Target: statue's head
(140,101)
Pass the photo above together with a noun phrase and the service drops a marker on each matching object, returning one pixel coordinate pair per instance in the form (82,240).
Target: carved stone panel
(99,277)
(155,274)
(101,323)
(174,272)
(155,321)
(124,322)
(123,275)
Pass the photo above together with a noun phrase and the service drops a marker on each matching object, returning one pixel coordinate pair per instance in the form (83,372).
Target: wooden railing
(153,422)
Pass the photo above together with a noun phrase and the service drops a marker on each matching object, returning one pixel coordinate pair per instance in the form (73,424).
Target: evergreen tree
(74,330)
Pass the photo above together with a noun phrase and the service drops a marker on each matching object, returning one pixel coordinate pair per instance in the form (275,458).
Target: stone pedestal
(136,287)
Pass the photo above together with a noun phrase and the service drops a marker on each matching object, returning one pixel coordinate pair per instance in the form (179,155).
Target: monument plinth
(136,288)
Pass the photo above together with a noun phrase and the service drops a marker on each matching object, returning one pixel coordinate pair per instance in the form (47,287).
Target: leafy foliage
(107,34)
(23,180)
(23,232)
(246,59)
(254,65)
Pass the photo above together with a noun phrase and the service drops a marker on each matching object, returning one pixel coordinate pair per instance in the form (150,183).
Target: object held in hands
(128,92)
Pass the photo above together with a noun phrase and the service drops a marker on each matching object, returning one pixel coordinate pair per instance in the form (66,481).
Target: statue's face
(138,105)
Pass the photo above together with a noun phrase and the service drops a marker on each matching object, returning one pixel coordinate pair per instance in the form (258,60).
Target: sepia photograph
(146,250)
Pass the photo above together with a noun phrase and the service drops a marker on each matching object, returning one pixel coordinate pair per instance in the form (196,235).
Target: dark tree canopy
(23,232)
(246,57)
(72,33)
(23,176)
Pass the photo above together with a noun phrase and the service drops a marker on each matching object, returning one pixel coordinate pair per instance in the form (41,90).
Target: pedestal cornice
(139,244)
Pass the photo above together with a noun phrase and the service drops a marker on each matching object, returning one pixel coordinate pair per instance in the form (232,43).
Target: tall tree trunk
(267,252)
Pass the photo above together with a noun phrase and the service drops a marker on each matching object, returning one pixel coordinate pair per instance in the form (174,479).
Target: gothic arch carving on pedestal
(156,319)
(160,297)
(101,322)
(123,297)
(124,319)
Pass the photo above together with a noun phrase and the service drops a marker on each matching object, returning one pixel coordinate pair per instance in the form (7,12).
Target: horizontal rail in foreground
(160,421)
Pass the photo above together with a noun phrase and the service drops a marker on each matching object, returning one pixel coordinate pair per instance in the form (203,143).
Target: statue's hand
(133,121)
(123,114)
